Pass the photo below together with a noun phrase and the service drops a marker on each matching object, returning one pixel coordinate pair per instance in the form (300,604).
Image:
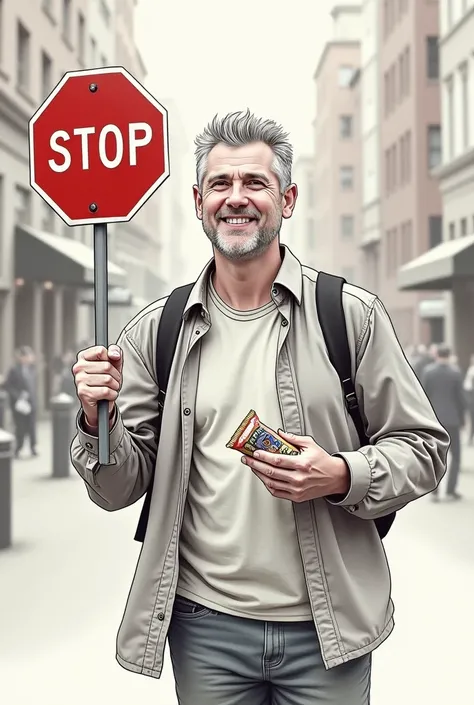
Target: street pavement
(64,583)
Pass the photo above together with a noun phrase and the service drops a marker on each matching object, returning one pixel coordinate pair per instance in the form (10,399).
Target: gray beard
(246,250)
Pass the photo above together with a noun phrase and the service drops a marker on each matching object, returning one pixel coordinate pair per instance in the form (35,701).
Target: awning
(45,257)
(438,268)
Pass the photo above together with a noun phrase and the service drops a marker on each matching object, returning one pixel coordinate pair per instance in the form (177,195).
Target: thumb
(115,356)
(298,441)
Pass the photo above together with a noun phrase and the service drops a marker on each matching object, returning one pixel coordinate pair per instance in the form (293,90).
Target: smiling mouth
(238,220)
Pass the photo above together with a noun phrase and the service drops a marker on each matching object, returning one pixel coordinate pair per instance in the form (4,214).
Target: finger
(92,395)
(96,352)
(86,367)
(291,462)
(274,486)
(298,441)
(268,471)
(99,380)
(115,356)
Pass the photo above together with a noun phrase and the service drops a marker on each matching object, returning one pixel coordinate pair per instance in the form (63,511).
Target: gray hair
(238,129)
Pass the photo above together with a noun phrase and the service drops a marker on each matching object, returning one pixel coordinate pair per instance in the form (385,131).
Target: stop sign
(98,147)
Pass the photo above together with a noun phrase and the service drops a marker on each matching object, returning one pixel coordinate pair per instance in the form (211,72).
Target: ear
(289,200)
(197,201)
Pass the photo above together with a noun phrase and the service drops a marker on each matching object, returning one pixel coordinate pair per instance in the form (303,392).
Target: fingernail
(257,455)
(244,460)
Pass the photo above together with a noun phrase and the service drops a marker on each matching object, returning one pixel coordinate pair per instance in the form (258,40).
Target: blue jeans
(224,660)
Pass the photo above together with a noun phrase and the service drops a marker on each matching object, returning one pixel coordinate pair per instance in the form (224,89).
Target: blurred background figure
(469,390)
(443,384)
(422,358)
(21,386)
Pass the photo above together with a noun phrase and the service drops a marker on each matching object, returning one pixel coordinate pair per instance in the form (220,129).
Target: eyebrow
(247,175)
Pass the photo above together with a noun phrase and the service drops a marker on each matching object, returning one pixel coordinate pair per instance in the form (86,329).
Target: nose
(237,197)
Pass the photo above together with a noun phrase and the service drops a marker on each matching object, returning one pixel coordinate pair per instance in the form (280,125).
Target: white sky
(212,56)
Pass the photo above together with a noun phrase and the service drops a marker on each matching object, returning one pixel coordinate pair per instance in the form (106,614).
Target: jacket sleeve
(408,451)
(133,437)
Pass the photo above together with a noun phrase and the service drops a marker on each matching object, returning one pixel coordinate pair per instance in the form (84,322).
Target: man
(21,386)
(443,384)
(267,575)
(424,358)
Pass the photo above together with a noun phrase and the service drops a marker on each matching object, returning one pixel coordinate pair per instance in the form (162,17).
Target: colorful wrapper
(252,435)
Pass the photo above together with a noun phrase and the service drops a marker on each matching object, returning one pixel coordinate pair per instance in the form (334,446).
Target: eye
(255,182)
(218,183)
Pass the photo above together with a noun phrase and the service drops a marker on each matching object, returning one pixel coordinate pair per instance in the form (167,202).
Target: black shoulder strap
(166,340)
(333,325)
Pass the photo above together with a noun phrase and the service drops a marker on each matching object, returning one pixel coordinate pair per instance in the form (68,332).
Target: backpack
(330,310)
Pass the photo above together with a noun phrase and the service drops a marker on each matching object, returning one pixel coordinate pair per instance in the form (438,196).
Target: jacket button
(161,616)
(284,322)
(275,291)
(89,445)
(187,411)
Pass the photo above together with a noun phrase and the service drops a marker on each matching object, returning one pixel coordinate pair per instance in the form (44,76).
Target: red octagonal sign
(98,147)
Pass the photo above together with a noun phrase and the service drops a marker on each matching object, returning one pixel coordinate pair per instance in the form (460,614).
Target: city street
(64,584)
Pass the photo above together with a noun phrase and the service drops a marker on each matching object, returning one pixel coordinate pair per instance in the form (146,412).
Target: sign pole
(101,327)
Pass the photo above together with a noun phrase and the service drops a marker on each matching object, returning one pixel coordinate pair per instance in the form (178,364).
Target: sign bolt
(93,87)
(93,207)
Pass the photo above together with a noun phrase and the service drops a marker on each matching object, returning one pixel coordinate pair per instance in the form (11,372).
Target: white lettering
(133,128)
(84,132)
(53,143)
(111,163)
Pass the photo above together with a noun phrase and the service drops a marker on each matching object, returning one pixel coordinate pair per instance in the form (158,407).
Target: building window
(46,74)
(450,106)
(402,153)
(347,225)
(345,126)
(465,104)
(23,57)
(464,227)
(406,242)
(435,230)
(67,19)
(432,48)
(103,60)
(81,37)
(346,178)
(105,12)
(386,80)
(93,61)
(434,146)
(345,74)
(406,65)
(401,75)
(394,167)
(22,206)
(452,231)
(47,220)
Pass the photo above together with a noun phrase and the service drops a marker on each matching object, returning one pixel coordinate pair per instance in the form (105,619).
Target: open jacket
(346,570)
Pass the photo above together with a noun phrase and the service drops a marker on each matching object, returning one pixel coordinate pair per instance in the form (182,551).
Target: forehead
(256,156)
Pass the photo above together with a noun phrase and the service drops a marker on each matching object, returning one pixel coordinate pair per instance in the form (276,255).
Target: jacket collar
(288,279)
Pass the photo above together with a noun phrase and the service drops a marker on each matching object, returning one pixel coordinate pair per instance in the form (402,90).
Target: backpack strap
(330,310)
(328,293)
(166,340)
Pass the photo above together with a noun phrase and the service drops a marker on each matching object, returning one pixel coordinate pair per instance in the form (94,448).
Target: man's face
(241,206)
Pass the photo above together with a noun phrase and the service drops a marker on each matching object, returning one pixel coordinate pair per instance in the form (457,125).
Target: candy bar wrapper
(252,435)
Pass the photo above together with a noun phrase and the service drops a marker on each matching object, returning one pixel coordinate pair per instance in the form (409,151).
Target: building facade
(135,246)
(39,304)
(299,231)
(410,120)
(449,267)
(369,117)
(337,157)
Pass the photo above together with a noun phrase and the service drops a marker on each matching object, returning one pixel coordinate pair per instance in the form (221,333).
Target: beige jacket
(346,569)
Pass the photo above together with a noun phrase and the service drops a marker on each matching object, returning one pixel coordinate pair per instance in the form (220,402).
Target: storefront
(449,267)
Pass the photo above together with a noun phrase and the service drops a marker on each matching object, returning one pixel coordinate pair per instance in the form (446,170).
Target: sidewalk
(64,585)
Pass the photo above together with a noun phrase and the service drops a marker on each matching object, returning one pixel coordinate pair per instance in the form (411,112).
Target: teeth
(237,221)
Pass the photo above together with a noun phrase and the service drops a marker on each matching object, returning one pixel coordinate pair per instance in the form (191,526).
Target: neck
(246,285)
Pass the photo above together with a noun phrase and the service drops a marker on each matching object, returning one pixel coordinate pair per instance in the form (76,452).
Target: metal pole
(6,453)
(101,327)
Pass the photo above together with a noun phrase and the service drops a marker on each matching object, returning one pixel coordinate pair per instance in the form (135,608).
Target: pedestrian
(21,385)
(268,577)
(443,384)
(469,390)
(423,358)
